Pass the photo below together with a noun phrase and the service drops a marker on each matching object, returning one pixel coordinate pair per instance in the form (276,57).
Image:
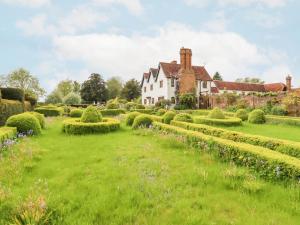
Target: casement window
(151,87)
(145,89)
(161,83)
(145,101)
(172,82)
(161,98)
(173,100)
(204,84)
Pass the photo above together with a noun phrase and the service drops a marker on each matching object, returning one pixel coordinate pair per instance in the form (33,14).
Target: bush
(24,123)
(9,108)
(76,127)
(130,105)
(168,117)
(187,100)
(31,99)
(112,105)
(72,99)
(13,94)
(139,106)
(278,110)
(91,115)
(40,117)
(242,114)
(184,117)
(130,118)
(142,121)
(76,113)
(163,103)
(161,112)
(144,111)
(112,112)
(231,121)
(49,111)
(257,116)
(7,133)
(267,163)
(287,120)
(216,113)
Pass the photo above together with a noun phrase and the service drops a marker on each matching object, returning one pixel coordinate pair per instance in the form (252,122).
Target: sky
(71,39)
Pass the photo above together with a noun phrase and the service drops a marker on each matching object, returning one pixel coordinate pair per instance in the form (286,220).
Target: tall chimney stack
(289,83)
(186,58)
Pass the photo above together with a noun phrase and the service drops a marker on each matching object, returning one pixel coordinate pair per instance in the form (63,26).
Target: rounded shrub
(183,117)
(168,117)
(257,116)
(242,114)
(112,105)
(25,123)
(142,121)
(130,105)
(130,118)
(139,106)
(161,112)
(91,115)
(216,113)
(76,113)
(40,117)
(278,110)
(49,111)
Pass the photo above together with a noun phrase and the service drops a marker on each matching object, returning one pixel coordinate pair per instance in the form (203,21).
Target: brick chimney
(187,77)
(289,83)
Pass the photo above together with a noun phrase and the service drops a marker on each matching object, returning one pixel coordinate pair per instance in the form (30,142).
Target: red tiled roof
(214,90)
(276,87)
(235,86)
(172,69)
(146,75)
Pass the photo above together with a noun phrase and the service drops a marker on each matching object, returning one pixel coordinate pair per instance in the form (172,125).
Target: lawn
(131,177)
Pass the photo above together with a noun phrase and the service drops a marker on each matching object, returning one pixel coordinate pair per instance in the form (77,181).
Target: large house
(172,79)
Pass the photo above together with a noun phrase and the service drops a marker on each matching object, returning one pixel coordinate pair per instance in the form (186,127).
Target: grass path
(122,178)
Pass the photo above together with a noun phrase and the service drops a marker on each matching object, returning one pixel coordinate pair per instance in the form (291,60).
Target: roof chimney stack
(186,58)
(289,83)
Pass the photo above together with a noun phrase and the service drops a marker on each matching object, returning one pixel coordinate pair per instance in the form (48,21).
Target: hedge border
(112,112)
(230,121)
(287,120)
(7,133)
(267,163)
(49,112)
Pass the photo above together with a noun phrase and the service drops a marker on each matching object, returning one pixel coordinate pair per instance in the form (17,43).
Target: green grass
(135,178)
(275,131)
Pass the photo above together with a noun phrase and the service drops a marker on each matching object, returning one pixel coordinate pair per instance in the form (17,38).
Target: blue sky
(57,40)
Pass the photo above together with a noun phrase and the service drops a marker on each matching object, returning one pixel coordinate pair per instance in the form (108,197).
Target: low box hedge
(284,146)
(49,111)
(112,112)
(229,121)
(144,111)
(12,94)
(7,133)
(267,163)
(74,126)
(287,120)
(9,108)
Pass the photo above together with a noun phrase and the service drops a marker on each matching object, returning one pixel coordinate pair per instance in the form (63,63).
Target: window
(173,100)
(152,100)
(145,101)
(145,89)
(161,83)
(172,82)
(161,98)
(204,84)
(151,87)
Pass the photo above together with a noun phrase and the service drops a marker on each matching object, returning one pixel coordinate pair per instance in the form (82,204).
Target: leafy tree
(114,87)
(131,90)
(76,87)
(187,100)
(22,79)
(250,80)
(65,87)
(217,76)
(72,98)
(54,97)
(94,89)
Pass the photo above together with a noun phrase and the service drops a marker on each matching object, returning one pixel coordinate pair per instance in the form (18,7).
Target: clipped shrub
(112,112)
(49,111)
(112,105)
(130,105)
(139,106)
(31,99)
(144,111)
(216,113)
(161,112)
(12,94)
(7,133)
(278,110)
(257,116)
(130,118)
(76,113)
(9,108)
(25,123)
(72,99)
(242,114)
(230,121)
(184,117)
(168,117)
(287,120)
(142,121)
(91,115)
(40,117)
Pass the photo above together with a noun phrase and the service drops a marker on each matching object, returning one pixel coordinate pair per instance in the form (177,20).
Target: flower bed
(75,126)
(229,121)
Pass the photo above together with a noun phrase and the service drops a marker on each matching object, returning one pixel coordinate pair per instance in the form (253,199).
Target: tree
(131,90)
(65,87)
(252,80)
(54,97)
(22,79)
(217,76)
(72,99)
(94,89)
(76,87)
(114,87)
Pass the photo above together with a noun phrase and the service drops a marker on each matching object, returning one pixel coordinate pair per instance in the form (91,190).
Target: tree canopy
(250,80)
(217,76)
(114,87)
(131,90)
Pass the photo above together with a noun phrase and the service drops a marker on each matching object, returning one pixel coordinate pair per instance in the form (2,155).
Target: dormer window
(204,84)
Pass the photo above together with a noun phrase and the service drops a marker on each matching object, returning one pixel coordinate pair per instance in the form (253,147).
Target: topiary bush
(112,105)
(9,108)
(142,121)
(242,114)
(91,115)
(76,113)
(25,123)
(278,110)
(161,112)
(184,117)
(168,117)
(216,113)
(40,117)
(130,118)
(13,94)
(257,116)
(49,111)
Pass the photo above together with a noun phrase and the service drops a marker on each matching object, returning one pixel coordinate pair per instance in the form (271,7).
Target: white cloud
(130,56)
(268,3)
(265,20)
(134,6)
(28,3)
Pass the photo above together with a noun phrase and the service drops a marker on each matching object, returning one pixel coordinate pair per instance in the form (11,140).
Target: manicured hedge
(198,112)
(7,133)
(268,164)
(184,117)
(9,108)
(91,115)
(49,111)
(168,117)
(284,146)
(76,113)
(40,117)
(230,121)
(12,94)
(242,114)
(142,120)
(293,121)
(24,123)
(112,112)
(130,118)
(74,126)
(144,111)
(257,116)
